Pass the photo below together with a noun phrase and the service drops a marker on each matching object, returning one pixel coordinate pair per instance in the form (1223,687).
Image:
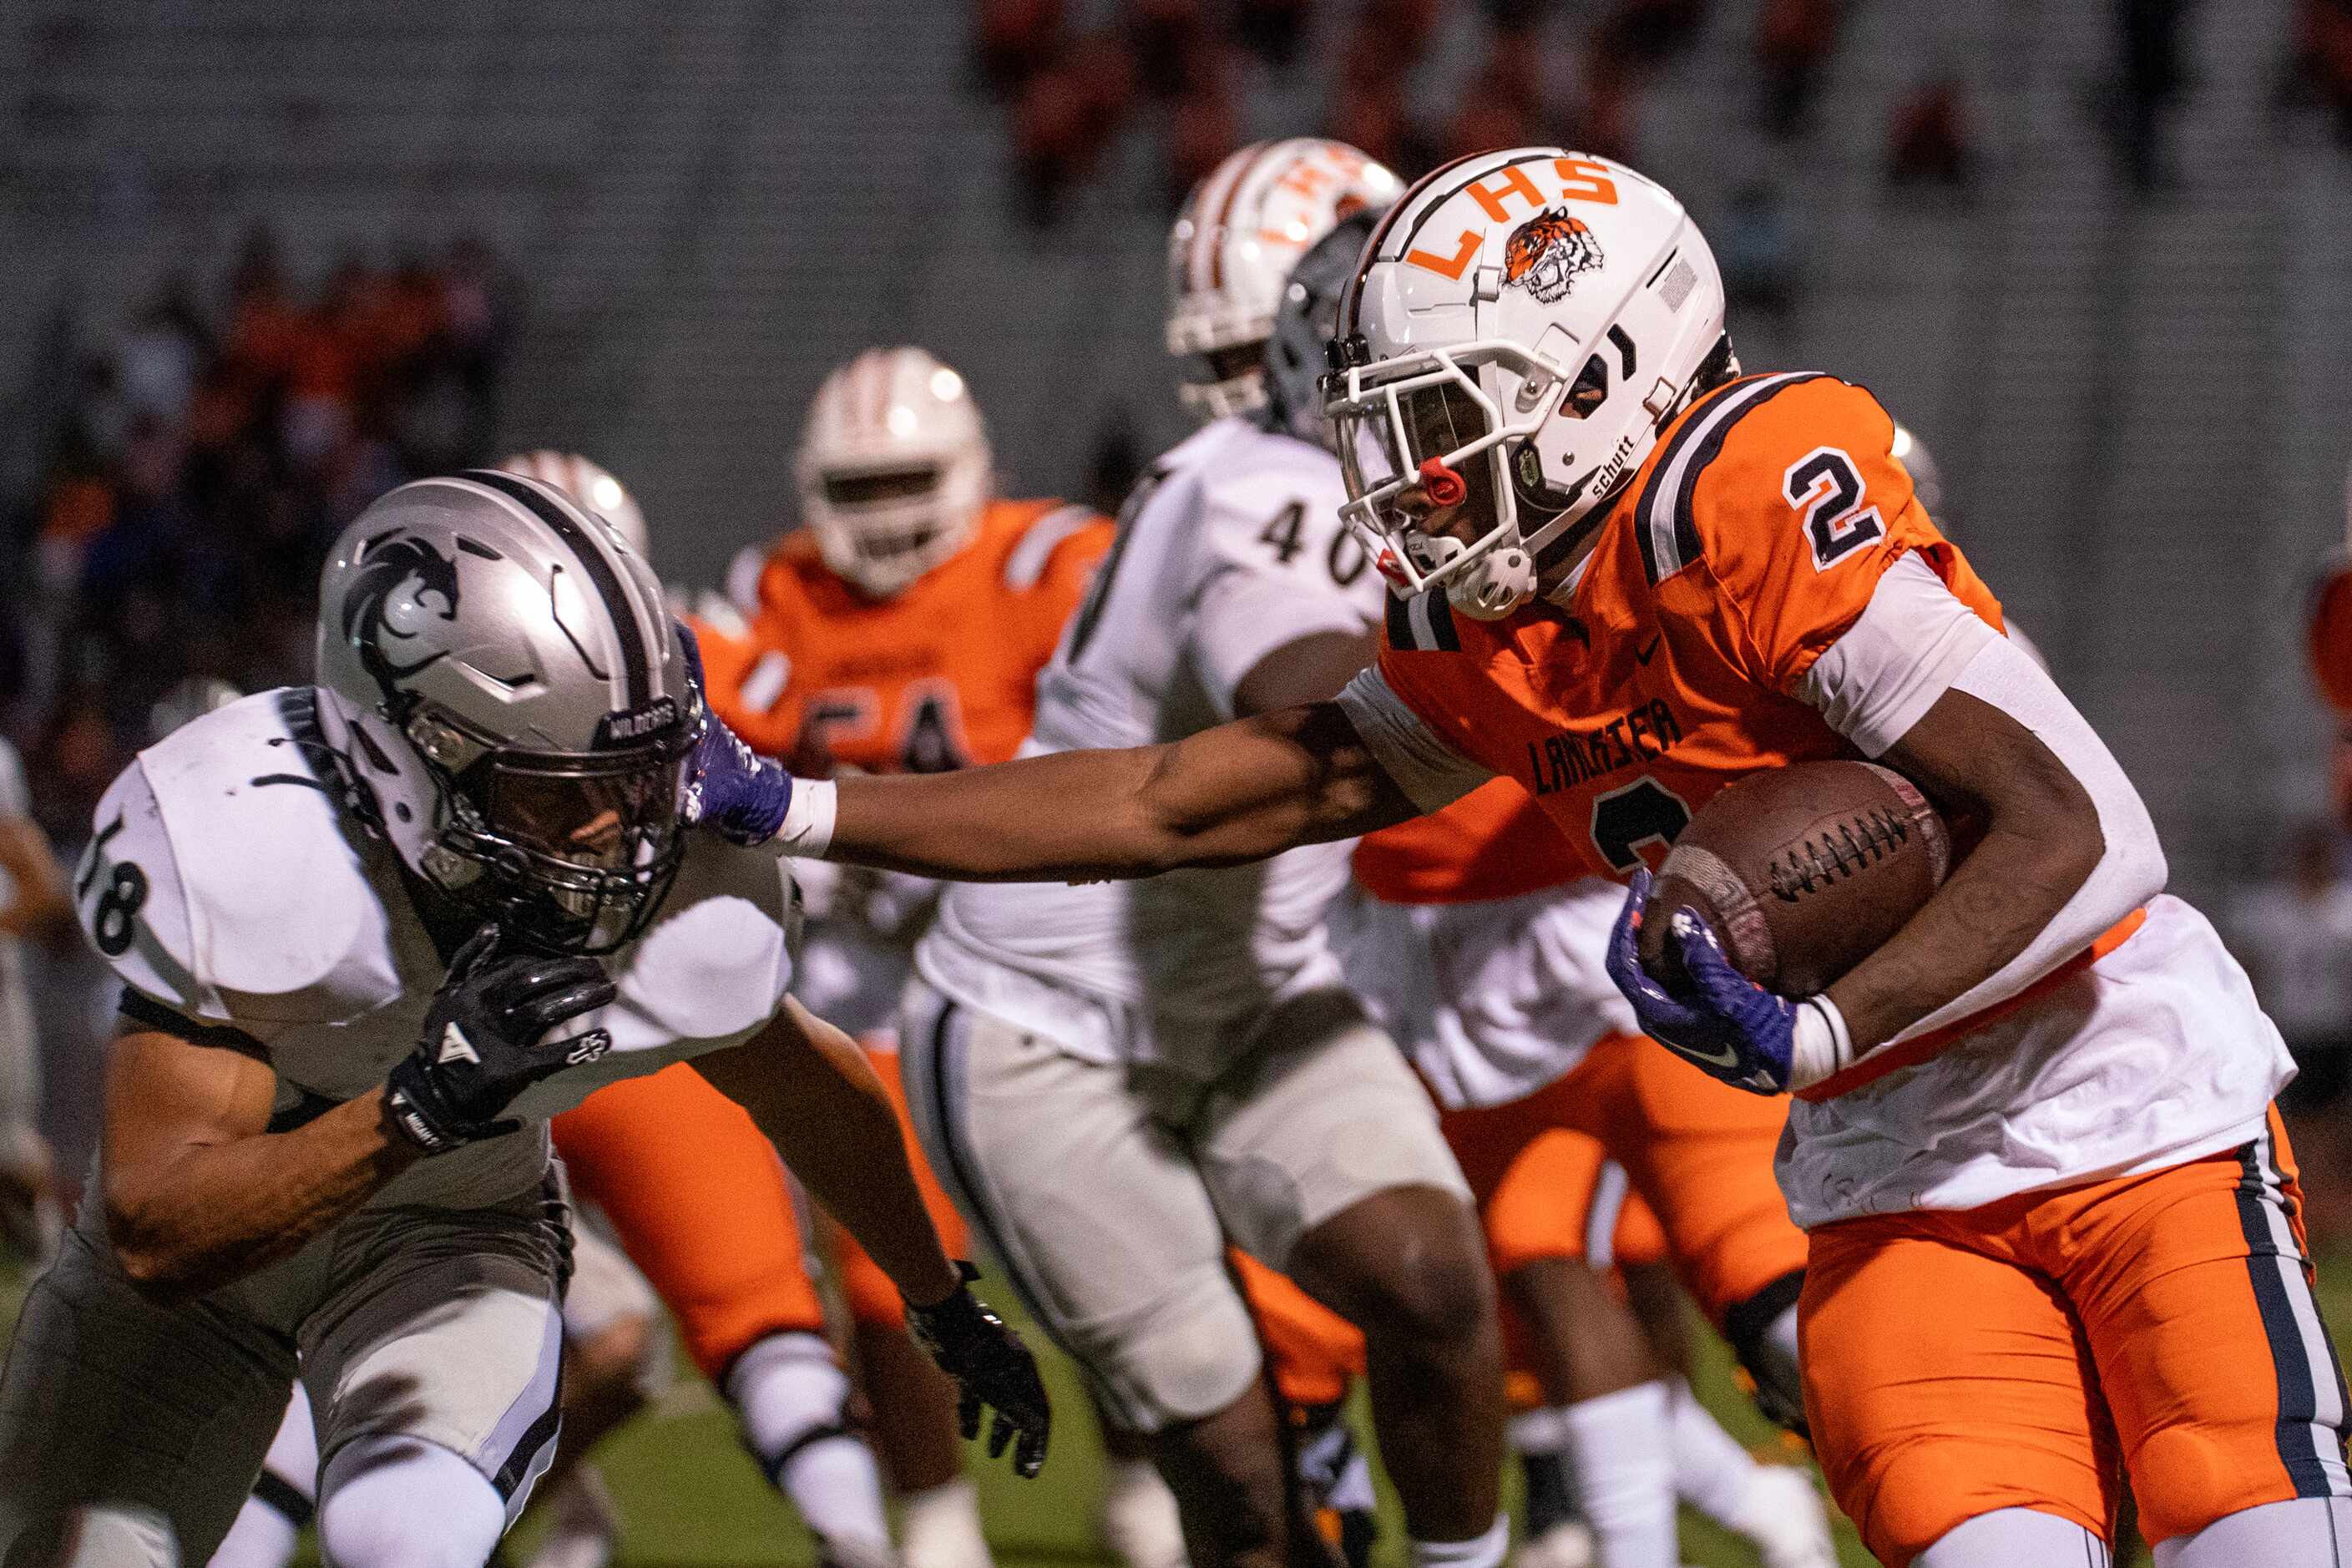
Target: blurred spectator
(2321,69)
(196,474)
(1794,39)
(1013,38)
(1273,29)
(2294,936)
(2152,78)
(1504,104)
(1928,144)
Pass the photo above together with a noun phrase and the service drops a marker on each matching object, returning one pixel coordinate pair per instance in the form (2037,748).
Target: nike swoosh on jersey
(1644,654)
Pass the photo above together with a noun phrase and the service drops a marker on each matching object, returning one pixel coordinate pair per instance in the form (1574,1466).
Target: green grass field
(692,1499)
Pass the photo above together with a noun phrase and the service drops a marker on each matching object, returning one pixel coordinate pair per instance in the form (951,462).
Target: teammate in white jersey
(1116,1079)
(372,933)
(32,903)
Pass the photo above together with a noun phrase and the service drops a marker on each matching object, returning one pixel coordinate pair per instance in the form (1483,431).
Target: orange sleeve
(1069,571)
(731,665)
(1798,513)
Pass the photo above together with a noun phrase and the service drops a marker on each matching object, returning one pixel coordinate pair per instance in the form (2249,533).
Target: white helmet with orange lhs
(1521,327)
(1232,250)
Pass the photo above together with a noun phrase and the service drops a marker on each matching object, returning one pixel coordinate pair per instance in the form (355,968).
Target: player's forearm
(210,1215)
(810,1090)
(2008,892)
(1225,796)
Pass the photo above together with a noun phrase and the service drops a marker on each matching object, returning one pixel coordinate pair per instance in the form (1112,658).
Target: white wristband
(1819,1046)
(808,819)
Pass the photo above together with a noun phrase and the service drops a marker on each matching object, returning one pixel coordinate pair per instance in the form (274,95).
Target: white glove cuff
(808,819)
(1819,1046)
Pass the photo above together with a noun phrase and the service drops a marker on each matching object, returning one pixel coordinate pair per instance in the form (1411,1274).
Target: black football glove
(991,1367)
(480,1045)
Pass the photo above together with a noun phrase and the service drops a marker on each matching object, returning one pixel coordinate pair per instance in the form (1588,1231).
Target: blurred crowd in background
(206,450)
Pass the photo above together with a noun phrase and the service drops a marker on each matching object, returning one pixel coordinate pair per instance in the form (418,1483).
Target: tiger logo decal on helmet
(1545,254)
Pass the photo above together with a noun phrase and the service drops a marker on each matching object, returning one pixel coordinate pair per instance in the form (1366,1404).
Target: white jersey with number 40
(1228,548)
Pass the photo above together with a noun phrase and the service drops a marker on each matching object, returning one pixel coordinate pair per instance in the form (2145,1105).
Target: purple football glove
(1723,1022)
(726,786)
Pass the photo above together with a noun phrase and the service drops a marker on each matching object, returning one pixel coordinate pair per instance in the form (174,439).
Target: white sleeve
(1274,553)
(133,907)
(1911,646)
(1424,764)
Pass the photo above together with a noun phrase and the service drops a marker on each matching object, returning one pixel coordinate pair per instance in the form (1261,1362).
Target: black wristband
(952,1319)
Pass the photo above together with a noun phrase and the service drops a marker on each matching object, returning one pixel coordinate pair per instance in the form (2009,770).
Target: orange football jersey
(1753,537)
(941,676)
(1493,842)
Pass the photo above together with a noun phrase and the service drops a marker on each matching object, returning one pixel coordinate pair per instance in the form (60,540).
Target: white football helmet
(1240,233)
(1522,324)
(894,470)
(591,486)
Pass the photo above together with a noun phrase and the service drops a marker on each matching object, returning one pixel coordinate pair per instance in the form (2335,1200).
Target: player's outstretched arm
(1235,794)
(810,1089)
(2067,851)
(197,1193)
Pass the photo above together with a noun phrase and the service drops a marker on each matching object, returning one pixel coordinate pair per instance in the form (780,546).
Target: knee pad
(2008,1536)
(1762,1332)
(400,1502)
(1187,1358)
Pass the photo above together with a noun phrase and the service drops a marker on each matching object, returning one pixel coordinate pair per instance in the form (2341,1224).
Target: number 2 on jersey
(1825,485)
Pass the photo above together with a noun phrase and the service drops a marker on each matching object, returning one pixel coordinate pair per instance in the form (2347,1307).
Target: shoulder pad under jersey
(223,881)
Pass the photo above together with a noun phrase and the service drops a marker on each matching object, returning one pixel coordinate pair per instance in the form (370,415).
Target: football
(1802,872)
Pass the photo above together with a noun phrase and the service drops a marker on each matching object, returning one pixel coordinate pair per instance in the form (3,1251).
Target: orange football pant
(2027,1353)
(1697,1152)
(702,1204)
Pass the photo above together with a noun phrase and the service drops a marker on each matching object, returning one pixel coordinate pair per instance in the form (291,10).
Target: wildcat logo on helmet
(403,583)
(1544,254)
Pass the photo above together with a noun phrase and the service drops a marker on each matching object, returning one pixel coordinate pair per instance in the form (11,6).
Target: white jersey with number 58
(1229,548)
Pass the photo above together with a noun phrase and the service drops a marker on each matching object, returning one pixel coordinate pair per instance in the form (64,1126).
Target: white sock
(1138,1517)
(284,1497)
(1711,1470)
(791,1395)
(1624,1473)
(939,1527)
(1478,1551)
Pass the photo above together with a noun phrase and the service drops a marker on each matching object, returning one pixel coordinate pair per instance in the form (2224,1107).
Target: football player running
(902,629)
(1113,1080)
(2054,1234)
(374,932)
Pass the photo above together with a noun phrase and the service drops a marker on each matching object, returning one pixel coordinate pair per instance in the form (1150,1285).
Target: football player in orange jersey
(1482,947)
(2054,1234)
(900,631)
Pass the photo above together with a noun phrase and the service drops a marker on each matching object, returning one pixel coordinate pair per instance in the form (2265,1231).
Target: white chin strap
(1496,584)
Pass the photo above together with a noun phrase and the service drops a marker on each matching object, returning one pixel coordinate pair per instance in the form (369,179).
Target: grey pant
(131,1433)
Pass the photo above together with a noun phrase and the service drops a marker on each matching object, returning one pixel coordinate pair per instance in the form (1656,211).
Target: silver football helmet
(508,699)
(1305,319)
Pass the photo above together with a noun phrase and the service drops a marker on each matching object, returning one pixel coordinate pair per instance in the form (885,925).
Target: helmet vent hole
(1589,392)
(476,547)
(1624,348)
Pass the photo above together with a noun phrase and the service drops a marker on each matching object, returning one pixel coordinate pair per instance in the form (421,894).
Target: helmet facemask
(574,851)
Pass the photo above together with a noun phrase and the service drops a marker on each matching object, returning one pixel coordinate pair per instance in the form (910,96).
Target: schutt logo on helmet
(1544,254)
